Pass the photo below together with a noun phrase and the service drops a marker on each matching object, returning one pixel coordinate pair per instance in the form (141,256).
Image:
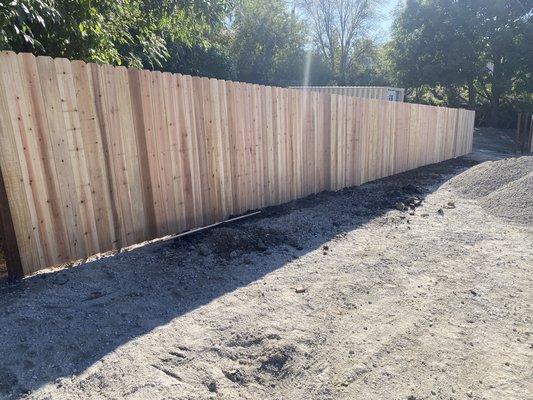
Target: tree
(134,33)
(268,43)
(455,47)
(17,19)
(506,38)
(338,27)
(435,44)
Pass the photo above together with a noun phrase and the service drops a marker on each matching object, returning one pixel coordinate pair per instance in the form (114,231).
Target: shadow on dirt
(58,324)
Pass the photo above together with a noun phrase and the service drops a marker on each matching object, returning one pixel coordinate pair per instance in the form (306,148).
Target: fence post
(7,235)
(524,133)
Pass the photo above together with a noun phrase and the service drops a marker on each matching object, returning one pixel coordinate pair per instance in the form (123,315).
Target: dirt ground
(336,296)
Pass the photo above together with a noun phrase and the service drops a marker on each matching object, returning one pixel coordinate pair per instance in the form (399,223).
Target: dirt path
(339,296)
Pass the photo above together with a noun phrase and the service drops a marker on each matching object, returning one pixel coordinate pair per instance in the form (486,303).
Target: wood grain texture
(95,157)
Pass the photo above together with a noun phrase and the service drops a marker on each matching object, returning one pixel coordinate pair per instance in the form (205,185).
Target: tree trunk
(494,107)
(453,96)
(471,95)
(417,95)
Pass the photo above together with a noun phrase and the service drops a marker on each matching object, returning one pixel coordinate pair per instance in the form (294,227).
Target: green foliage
(471,53)
(461,53)
(17,17)
(268,43)
(135,33)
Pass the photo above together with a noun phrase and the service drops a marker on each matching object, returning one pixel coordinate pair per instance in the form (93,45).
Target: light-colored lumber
(95,157)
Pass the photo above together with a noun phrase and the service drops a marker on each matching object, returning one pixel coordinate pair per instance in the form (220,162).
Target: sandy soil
(338,296)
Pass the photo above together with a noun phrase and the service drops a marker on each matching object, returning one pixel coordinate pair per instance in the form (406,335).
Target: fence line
(96,157)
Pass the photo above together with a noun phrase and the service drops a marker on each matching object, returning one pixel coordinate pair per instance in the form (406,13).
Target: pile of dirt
(513,201)
(246,239)
(504,188)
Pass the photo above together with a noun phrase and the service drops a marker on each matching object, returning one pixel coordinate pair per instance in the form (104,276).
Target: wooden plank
(109,110)
(201,145)
(257,155)
(248,170)
(40,167)
(53,107)
(189,164)
(233,143)
(78,162)
(213,142)
(172,106)
(164,160)
(140,131)
(94,154)
(130,158)
(224,149)
(14,167)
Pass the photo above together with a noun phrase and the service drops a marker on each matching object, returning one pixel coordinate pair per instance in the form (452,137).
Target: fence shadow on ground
(58,324)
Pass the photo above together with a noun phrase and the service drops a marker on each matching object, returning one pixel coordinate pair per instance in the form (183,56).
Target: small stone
(300,289)
(325,247)
(410,188)
(95,295)
(234,375)
(473,292)
(203,250)
(451,204)
(440,211)
(212,386)
(411,200)
(424,215)
(469,394)
(61,280)
(400,206)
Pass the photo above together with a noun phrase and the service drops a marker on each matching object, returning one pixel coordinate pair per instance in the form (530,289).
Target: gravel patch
(503,188)
(489,176)
(513,201)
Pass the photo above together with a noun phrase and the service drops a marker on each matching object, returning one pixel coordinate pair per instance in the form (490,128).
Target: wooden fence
(95,157)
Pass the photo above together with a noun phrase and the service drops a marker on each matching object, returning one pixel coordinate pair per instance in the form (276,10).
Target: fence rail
(95,157)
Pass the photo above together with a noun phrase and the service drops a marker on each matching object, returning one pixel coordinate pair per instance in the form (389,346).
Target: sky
(387,18)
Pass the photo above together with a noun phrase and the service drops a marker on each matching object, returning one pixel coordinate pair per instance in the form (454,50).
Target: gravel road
(404,288)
